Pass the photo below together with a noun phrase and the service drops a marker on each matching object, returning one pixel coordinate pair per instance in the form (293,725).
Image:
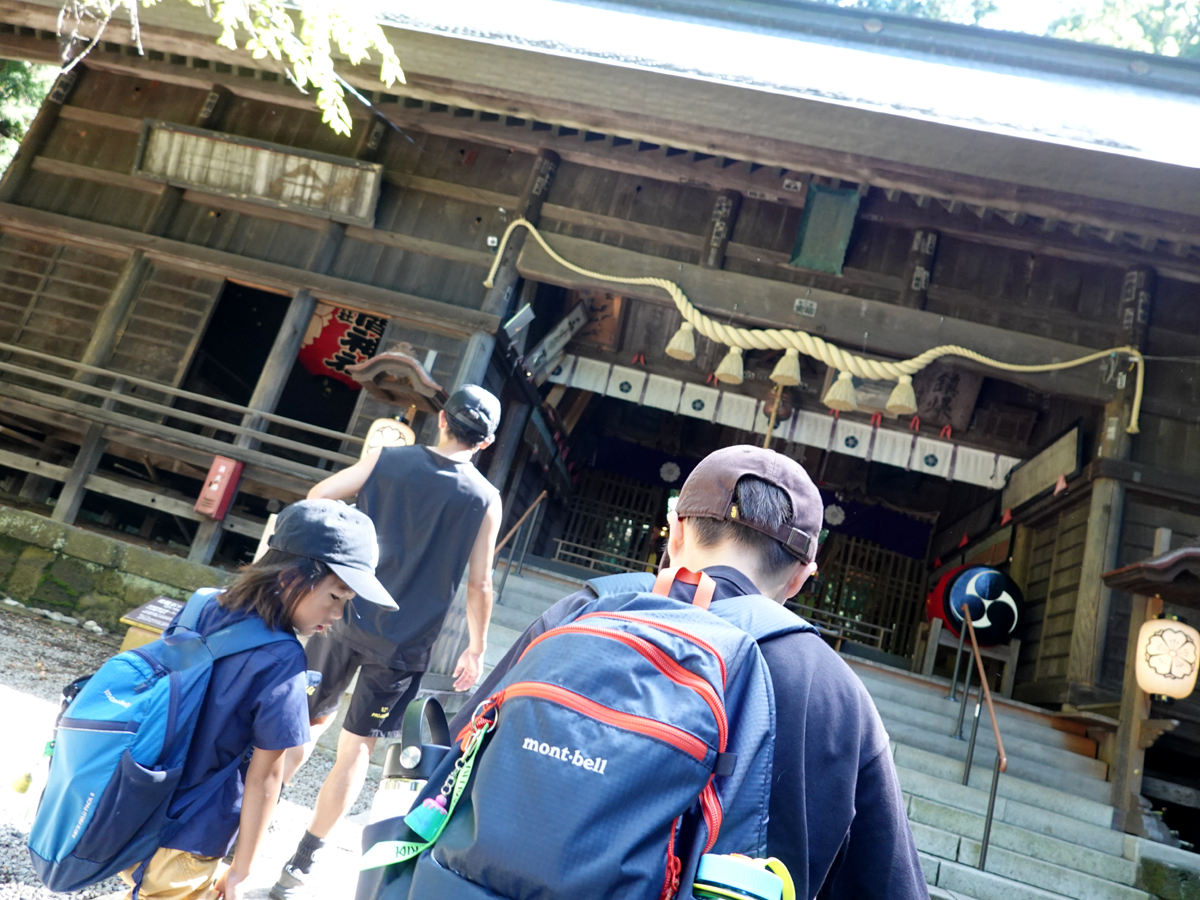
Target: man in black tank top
(435,516)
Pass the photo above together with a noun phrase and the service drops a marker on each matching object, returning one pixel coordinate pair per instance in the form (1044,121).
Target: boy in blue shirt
(322,554)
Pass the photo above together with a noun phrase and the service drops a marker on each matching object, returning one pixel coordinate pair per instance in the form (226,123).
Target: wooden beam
(478,258)
(1101,545)
(1127,769)
(90,173)
(881,328)
(433,315)
(1058,243)
(94,117)
(35,138)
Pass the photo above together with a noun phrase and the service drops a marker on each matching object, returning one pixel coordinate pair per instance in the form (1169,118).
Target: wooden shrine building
(190,260)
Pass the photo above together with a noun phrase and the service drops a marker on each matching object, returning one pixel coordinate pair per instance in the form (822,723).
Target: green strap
(385,853)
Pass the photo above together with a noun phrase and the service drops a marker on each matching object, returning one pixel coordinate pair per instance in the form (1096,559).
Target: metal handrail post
(987,824)
(962,707)
(508,561)
(962,633)
(971,745)
(529,532)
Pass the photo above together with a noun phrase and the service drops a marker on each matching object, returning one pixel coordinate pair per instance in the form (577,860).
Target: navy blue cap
(339,536)
(474,410)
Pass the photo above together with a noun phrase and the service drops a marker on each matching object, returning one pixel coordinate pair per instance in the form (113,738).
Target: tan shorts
(176,875)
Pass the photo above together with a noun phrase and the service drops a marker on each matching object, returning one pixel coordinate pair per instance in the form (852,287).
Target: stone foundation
(87,575)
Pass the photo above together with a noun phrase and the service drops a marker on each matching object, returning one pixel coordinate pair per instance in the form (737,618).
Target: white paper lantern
(1168,657)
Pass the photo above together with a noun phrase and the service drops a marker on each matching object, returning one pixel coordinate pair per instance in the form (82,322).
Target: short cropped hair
(462,435)
(761,503)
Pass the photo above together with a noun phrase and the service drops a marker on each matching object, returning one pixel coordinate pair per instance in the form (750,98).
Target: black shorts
(380,697)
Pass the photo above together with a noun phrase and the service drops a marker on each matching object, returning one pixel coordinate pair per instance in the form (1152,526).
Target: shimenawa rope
(810,345)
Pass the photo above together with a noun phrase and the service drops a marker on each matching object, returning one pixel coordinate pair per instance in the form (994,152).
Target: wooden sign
(332,187)
(540,361)
(1039,474)
(155,615)
(946,395)
(605,312)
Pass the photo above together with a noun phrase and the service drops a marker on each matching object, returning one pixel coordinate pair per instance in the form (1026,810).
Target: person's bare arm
(479,598)
(346,483)
(264,778)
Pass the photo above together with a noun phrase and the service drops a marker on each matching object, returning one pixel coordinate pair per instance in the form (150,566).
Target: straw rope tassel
(810,345)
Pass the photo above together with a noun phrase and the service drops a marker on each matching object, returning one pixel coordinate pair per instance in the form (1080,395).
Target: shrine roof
(1054,91)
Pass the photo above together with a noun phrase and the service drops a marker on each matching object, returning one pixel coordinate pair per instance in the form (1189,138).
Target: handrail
(600,557)
(534,508)
(984,697)
(519,523)
(176,392)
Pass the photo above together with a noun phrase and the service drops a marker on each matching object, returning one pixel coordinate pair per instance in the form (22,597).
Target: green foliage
(1165,27)
(305,34)
(968,12)
(23,86)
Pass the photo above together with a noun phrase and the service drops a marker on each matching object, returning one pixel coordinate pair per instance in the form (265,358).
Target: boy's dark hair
(273,586)
(762,503)
(462,435)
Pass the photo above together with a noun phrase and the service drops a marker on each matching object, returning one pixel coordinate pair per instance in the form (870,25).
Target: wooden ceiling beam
(1045,237)
(855,322)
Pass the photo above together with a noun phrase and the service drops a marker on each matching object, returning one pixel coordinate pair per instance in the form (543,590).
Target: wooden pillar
(508,441)
(1107,512)
(1100,549)
(39,130)
(541,176)
(918,269)
(499,297)
(326,250)
(266,395)
(720,228)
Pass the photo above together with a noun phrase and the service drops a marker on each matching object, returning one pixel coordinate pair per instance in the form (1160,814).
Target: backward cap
(475,410)
(709,493)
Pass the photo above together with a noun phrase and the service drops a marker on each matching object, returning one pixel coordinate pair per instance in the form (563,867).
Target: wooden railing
(842,628)
(597,558)
(72,395)
(983,698)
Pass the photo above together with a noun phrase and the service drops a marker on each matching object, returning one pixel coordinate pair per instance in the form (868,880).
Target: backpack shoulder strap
(621,583)
(761,617)
(190,617)
(244,635)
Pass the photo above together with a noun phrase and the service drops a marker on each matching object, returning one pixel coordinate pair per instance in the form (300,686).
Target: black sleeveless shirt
(427,510)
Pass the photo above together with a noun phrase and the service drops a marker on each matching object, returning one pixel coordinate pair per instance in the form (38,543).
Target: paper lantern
(387,433)
(1168,658)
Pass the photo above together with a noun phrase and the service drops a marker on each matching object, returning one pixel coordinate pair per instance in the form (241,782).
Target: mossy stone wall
(88,575)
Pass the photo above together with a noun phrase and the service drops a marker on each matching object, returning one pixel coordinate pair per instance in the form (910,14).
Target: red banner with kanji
(337,338)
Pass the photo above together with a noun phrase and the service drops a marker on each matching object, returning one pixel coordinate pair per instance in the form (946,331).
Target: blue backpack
(621,746)
(120,746)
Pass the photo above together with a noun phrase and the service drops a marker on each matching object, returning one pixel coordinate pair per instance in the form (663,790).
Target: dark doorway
(236,343)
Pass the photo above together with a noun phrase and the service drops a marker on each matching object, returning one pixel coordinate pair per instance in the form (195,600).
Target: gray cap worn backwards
(708,493)
(339,536)
(474,410)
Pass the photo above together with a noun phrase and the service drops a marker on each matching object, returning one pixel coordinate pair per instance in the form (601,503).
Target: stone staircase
(1052,834)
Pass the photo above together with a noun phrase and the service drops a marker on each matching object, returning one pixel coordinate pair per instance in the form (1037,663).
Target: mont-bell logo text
(109,695)
(575,758)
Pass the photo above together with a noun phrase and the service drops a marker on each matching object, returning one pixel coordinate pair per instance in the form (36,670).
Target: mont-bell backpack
(621,746)
(119,749)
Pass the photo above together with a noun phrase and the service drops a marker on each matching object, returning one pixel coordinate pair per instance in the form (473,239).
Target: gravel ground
(37,658)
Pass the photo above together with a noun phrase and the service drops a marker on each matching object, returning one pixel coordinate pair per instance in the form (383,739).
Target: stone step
(932,698)
(1039,846)
(1005,707)
(1027,770)
(530,594)
(962,881)
(942,724)
(1093,811)
(1020,868)
(516,619)
(958,797)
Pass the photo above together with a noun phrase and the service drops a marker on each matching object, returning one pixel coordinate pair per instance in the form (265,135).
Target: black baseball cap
(474,410)
(709,493)
(339,536)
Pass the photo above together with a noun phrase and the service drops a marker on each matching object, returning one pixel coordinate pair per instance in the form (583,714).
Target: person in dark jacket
(749,518)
